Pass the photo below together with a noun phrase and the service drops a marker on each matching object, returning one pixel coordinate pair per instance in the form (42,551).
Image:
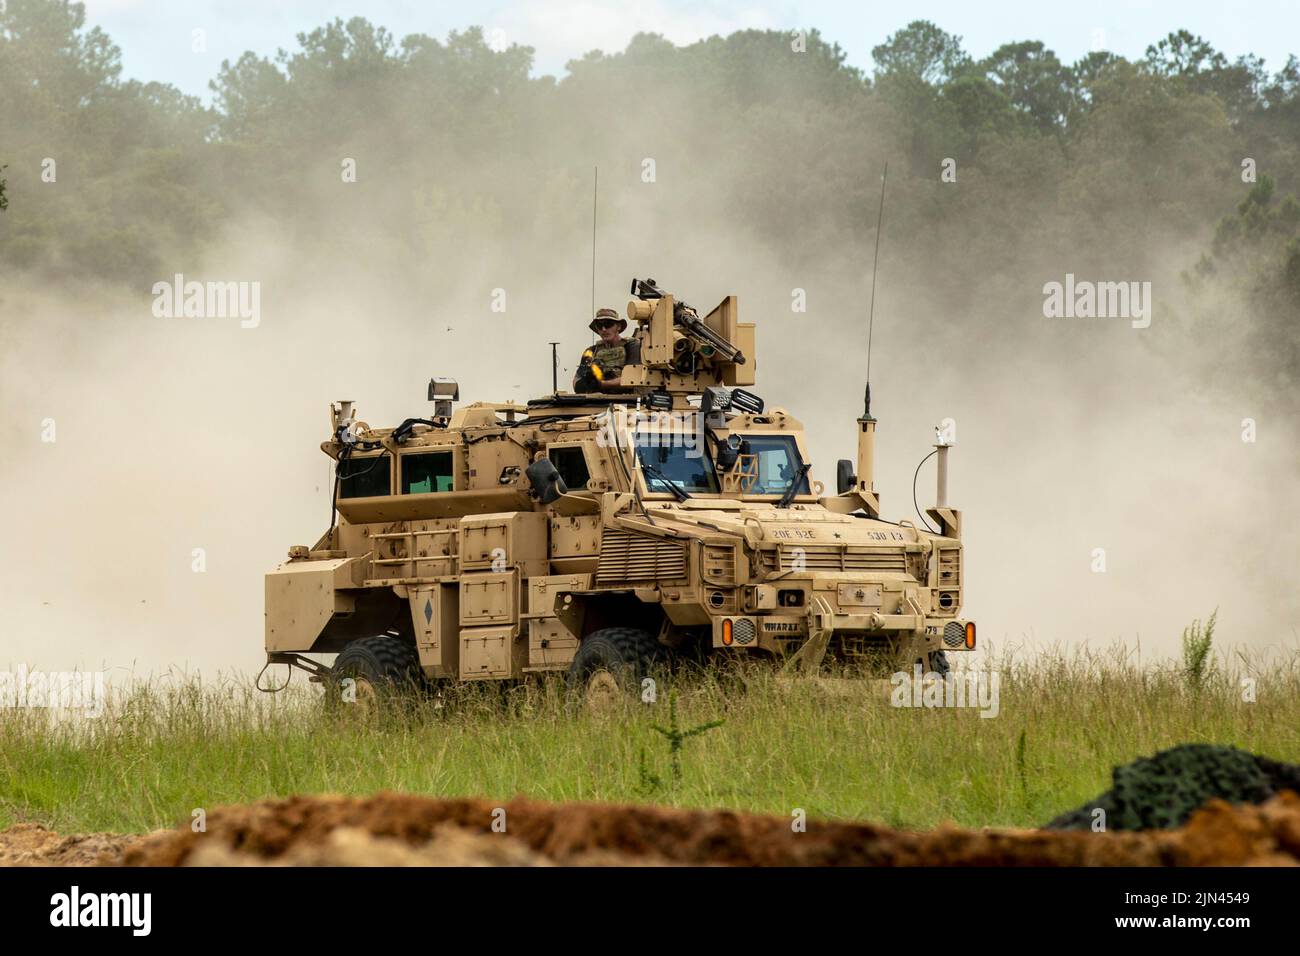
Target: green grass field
(163,749)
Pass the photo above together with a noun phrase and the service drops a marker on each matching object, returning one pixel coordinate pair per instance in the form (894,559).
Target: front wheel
(611,664)
(373,669)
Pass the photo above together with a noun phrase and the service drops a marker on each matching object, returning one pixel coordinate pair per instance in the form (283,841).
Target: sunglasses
(606,324)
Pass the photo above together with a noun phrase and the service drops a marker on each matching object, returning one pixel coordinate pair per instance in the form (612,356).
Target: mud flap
(808,659)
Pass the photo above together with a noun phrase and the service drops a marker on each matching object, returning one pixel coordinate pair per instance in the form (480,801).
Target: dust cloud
(180,440)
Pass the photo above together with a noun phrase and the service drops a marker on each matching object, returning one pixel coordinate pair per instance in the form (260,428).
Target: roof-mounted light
(442,392)
(746,402)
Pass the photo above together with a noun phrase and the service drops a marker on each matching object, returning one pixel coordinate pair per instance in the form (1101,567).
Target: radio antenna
(595,185)
(875,267)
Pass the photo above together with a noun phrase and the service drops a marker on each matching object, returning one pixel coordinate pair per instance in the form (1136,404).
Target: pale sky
(155,35)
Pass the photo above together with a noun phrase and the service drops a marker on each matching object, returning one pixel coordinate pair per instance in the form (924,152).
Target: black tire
(389,664)
(625,652)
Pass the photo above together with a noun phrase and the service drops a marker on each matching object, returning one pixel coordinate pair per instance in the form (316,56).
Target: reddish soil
(399,829)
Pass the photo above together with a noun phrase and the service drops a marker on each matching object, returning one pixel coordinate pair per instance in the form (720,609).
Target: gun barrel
(725,350)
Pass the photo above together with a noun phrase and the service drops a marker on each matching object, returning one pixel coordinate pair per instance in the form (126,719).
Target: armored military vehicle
(599,534)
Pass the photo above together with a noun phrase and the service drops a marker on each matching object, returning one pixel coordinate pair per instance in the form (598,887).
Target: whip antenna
(595,185)
(875,264)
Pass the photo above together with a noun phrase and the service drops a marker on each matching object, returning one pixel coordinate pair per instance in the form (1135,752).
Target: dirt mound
(355,846)
(30,844)
(392,829)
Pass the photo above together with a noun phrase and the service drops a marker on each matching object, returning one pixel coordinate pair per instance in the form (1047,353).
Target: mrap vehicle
(599,534)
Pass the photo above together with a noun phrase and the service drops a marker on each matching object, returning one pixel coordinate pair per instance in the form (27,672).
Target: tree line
(767,133)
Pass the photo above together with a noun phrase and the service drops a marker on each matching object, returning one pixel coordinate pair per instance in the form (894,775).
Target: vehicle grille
(950,568)
(744,631)
(832,557)
(719,564)
(949,584)
(625,556)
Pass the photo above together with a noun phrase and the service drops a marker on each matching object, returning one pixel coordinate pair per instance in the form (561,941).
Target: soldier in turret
(602,364)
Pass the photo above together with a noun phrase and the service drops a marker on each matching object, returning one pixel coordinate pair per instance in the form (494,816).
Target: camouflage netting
(1161,792)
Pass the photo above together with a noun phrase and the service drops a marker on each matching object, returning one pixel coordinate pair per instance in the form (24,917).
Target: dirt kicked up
(391,829)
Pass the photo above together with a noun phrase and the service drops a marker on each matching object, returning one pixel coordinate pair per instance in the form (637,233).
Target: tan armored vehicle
(599,534)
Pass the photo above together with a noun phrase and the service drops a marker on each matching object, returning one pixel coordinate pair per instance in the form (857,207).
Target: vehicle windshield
(778,463)
(689,468)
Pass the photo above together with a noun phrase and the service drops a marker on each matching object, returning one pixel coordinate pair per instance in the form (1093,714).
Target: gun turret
(696,336)
(681,353)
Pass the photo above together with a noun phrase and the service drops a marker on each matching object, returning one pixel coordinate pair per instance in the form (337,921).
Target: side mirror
(546,482)
(845,479)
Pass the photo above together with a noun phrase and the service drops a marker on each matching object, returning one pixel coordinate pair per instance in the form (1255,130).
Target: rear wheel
(374,669)
(611,663)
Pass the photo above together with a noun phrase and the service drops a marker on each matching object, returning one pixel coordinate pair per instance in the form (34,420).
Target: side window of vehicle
(571,463)
(422,474)
(364,477)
